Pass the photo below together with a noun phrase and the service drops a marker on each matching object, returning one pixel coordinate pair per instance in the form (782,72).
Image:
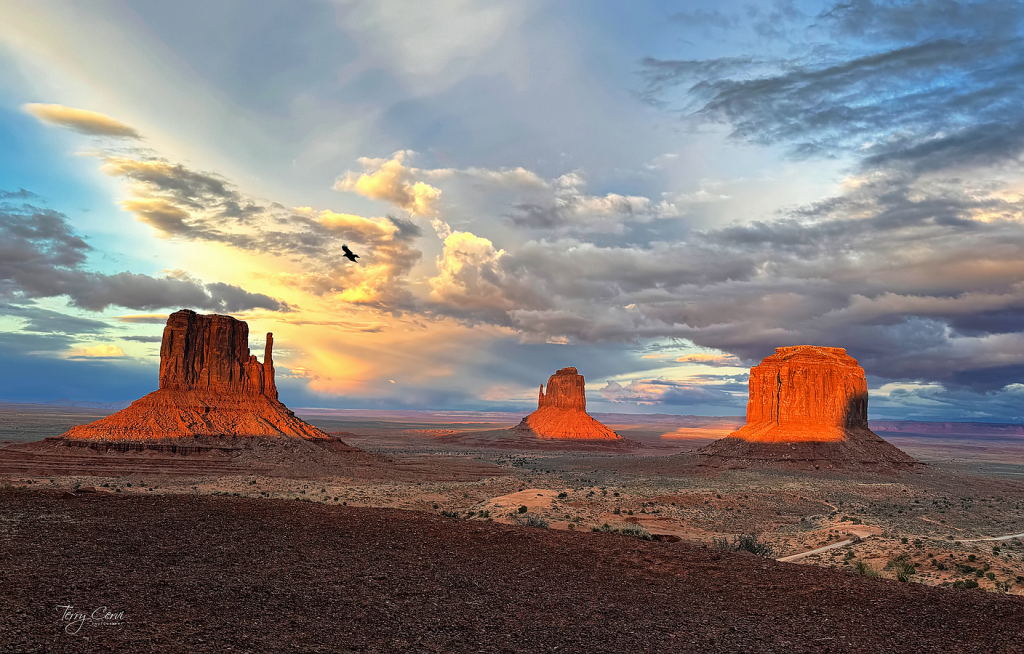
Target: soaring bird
(349,255)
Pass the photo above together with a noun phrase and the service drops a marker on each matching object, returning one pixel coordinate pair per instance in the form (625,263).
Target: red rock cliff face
(211,353)
(210,385)
(566,390)
(806,393)
(562,411)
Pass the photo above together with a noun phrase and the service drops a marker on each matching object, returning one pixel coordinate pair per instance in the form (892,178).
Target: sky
(656,193)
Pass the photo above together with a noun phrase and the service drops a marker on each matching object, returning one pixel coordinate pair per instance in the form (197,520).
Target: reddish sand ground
(209,574)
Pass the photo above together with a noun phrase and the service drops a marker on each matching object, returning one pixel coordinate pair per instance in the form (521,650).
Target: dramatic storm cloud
(658,197)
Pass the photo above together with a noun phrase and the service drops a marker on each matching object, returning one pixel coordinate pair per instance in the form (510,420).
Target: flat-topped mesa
(562,411)
(808,407)
(210,385)
(805,393)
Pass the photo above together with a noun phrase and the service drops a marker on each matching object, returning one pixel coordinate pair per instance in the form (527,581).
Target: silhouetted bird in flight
(349,255)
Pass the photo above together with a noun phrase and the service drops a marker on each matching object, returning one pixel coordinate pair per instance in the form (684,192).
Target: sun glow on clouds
(81,120)
(391,181)
(97,351)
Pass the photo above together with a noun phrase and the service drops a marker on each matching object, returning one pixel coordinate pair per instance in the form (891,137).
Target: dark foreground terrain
(196,573)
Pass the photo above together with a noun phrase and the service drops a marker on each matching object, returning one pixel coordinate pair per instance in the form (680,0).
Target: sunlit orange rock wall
(805,393)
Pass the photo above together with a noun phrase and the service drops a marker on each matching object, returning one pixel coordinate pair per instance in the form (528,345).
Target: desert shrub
(991,576)
(904,540)
(972,558)
(530,520)
(744,543)
(1003,586)
(450,514)
(563,495)
(754,546)
(523,509)
(604,527)
(864,570)
(635,531)
(901,566)
(965,583)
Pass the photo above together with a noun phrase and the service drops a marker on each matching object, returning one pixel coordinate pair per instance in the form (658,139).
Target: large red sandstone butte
(562,412)
(210,385)
(805,393)
(808,404)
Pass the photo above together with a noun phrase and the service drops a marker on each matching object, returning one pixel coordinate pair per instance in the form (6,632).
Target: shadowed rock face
(210,385)
(211,353)
(562,411)
(808,406)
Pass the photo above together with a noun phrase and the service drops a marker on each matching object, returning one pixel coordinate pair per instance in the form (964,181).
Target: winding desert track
(794,557)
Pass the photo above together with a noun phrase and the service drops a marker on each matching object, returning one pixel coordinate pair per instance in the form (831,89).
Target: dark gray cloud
(52,322)
(929,85)
(40,256)
(142,339)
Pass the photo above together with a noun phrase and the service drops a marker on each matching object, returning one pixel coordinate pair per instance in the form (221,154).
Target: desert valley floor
(421,543)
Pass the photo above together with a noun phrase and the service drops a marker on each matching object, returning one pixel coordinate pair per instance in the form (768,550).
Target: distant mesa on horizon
(562,412)
(210,385)
(808,405)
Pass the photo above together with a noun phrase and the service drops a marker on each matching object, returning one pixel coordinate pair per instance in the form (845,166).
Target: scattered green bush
(864,570)
(901,566)
(523,509)
(744,543)
(530,520)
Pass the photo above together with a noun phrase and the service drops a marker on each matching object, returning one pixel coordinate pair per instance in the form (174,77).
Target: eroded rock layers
(210,385)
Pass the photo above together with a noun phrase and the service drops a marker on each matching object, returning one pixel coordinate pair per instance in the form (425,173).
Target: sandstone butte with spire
(808,403)
(210,385)
(562,411)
